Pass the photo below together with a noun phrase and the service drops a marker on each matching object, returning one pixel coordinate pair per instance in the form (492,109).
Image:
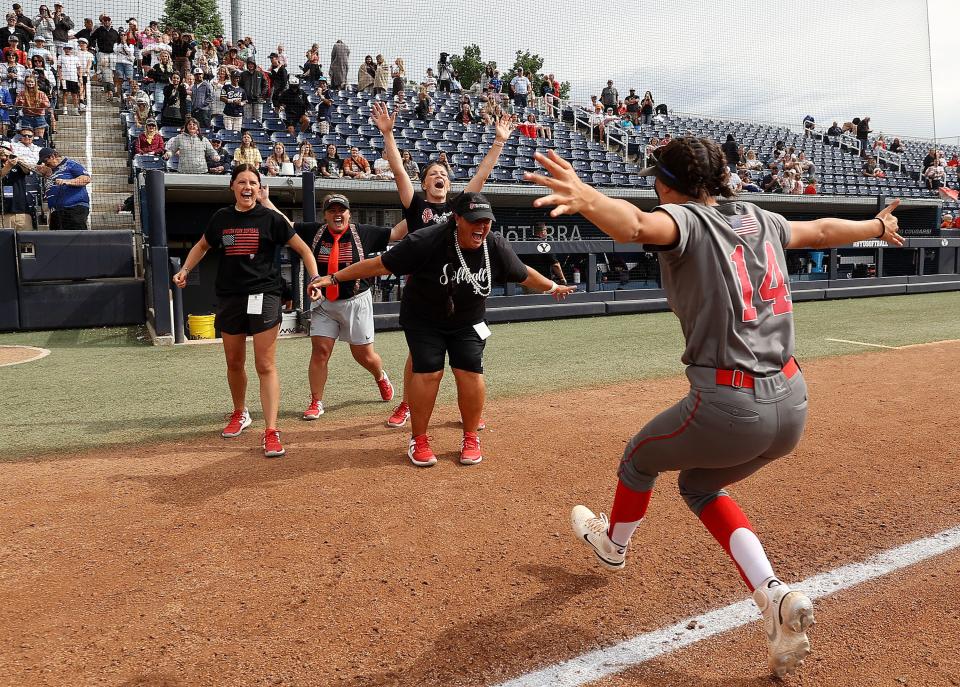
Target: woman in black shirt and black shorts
(430,206)
(248,289)
(452,266)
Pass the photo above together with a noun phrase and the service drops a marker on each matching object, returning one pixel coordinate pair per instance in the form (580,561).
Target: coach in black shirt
(452,267)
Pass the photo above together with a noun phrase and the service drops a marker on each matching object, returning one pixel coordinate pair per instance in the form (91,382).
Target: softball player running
(725,276)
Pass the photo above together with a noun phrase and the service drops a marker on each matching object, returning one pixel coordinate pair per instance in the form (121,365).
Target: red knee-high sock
(729,526)
(628,509)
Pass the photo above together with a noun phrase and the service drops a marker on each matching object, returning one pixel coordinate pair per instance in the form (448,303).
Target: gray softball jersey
(726,280)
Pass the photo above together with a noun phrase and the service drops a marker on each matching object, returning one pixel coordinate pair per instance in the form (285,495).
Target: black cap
(335,199)
(473,206)
(46,154)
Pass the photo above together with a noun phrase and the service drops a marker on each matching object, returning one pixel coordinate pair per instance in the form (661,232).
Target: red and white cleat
(272,448)
(470,449)
(386,388)
(400,416)
(314,410)
(420,453)
(237,421)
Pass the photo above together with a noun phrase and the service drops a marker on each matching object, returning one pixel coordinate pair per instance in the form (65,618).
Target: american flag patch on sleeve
(744,225)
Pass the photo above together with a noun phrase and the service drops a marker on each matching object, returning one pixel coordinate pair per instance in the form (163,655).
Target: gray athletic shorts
(349,320)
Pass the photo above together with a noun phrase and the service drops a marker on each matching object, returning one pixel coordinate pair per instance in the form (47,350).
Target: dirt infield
(14,355)
(202,563)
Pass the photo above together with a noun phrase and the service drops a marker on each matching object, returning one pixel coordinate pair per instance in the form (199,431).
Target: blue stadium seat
(283,137)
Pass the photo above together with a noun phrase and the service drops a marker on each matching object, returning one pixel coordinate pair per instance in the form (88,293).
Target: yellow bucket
(201,326)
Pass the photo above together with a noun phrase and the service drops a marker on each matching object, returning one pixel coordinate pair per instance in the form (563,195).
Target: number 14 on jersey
(773,288)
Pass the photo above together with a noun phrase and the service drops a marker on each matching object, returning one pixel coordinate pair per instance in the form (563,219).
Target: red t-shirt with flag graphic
(248,242)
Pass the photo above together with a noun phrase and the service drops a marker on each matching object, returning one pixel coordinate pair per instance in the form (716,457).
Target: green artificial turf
(108,386)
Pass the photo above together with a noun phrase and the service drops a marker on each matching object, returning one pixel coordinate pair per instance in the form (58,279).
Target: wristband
(313,279)
(497,143)
(553,287)
(883,228)
(333,279)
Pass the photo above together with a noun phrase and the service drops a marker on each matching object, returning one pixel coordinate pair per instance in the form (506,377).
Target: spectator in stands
(69,78)
(870,168)
(424,108)
(465,115)
(752,163)
(247,152)
(929,158)
(12,30)
(546,264)
(732,152)
(83,33)
(811,188)
(149,38)
(16,208)
(62,26)
(216,88)
(429,81)
(194,150)
(834,130)
(491,111)
(293,106)
(945,223)
(34,106)
(232,59)
(324,107)
(896,146)
(734,181)
(24,147)
(39,47)
(809,124)
(312,70)
(279,79)
(632,102)
(444,160)
(219,165)
(276,160)
(455,85)
(46,82)
(356,166)
(105,39)
(125,51)
(182,51)
(254,84)
(954,161)
(608,119)
(6,106)
(233,97)
(174,109)
(444,73)
(934,175)
(805,167)
(409,166)
(331,166)
(14,48)
(202,99)
(150,142)
(160,74)
(880,143)
(398,73)
(365,74)
(339,64)
(66,196)
(519,88)
(381,170)
(863,135)
(305,160)
(771,182)
(609,97)
(646,108)
(209,54)
(790,183)
(747,183)
(496,83)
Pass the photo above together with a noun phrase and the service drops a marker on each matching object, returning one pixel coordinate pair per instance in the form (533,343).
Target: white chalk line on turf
(38,353)
(601,663)
(862,343)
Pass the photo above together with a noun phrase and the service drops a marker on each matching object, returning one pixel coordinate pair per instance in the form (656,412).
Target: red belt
(741,380)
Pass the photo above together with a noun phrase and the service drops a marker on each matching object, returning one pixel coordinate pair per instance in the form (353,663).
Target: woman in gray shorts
(346,310)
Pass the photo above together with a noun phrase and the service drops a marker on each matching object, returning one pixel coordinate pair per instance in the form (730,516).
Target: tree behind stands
(200,17)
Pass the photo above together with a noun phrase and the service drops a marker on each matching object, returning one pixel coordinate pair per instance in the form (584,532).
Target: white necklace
(480,290)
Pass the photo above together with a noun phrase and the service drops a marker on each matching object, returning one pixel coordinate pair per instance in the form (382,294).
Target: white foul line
(862,343)
(600,663)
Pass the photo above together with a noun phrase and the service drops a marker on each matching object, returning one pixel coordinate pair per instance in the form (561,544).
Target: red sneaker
(470,449)
(386,388)
(314,410)
(272,448)
(400,416)
(238,421)
(420,453)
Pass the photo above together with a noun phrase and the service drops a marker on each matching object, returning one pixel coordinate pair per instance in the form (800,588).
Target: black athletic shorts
(232,317)
(429,346)
(72,86)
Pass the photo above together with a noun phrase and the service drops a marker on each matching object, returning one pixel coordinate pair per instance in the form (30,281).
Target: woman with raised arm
(429,206)
(725,275)
(248,288)
(452,266)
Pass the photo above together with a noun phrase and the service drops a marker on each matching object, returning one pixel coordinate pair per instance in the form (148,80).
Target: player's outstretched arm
(830,232)
(619,219)
(385,122)
(537,282)
(358,270)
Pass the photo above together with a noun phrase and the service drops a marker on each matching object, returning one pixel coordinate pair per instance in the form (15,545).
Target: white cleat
(787,615)
(593,530)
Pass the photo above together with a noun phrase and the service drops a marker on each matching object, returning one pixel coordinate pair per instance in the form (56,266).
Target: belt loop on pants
(738,379)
